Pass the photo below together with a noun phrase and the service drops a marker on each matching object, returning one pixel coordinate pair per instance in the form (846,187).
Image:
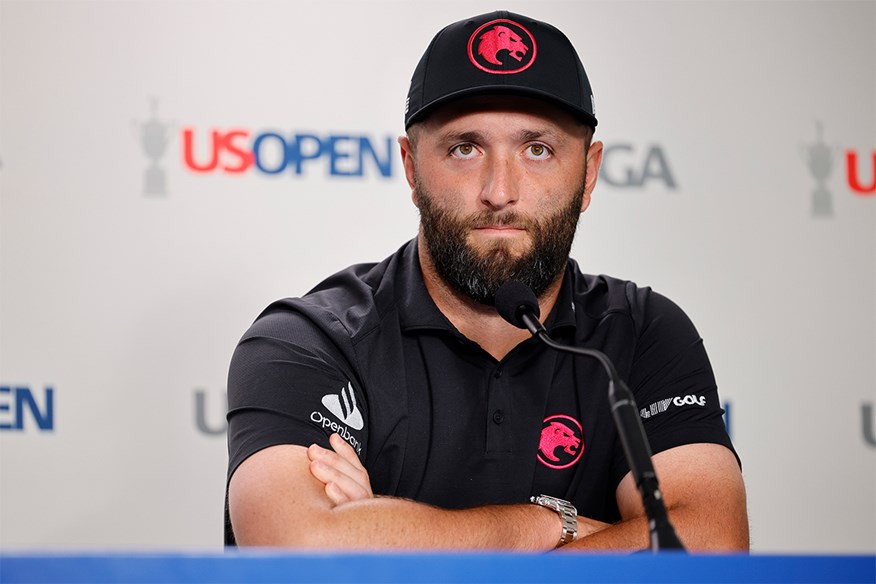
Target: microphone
(517,304)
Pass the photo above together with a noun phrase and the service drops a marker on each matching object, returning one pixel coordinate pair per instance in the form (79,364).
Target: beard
(478,273)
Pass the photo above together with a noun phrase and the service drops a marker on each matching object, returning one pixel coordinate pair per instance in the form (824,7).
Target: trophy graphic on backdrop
(154,138)
(819,158)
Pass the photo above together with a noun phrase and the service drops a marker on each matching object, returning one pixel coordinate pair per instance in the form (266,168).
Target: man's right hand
(340,470)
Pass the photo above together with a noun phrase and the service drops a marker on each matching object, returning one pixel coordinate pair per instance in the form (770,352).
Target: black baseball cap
(500,53)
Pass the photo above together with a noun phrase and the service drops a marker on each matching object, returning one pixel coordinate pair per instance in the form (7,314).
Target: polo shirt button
(498,416)
(498,373)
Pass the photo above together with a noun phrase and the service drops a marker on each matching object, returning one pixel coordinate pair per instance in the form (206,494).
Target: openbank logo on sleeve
(341,405)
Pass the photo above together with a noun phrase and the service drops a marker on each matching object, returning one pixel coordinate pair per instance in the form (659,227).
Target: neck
(478,322)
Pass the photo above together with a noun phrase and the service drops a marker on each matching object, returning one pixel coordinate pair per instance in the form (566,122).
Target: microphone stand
(632,436)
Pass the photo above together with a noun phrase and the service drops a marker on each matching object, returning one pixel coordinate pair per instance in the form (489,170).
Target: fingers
(335,494)
(345,451)
(340,470)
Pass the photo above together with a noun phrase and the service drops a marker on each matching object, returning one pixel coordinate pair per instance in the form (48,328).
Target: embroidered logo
(502,47)
(562,442)
(343,406)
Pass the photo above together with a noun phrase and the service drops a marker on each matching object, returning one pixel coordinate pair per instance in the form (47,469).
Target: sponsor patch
(342,405)
(678,401)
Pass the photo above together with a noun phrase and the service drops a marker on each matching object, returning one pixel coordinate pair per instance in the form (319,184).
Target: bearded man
(393,407)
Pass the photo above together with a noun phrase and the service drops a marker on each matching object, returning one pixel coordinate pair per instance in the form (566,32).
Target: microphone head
(512,299)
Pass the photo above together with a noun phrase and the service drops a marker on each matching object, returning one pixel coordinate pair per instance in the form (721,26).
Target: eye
(464,150)
(537,151)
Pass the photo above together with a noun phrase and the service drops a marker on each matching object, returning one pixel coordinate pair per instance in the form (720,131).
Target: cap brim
(426,110)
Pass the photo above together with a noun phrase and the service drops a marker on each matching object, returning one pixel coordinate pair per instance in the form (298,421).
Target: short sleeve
(289,383)
(672,380)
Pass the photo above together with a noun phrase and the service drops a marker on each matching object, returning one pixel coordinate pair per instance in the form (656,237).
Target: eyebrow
(529,135)
(468,136)
(479,137)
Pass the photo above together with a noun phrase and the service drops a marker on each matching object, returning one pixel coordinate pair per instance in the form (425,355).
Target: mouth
(499,230)
(500,227)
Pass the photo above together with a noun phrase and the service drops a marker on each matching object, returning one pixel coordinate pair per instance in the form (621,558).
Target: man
(392,407)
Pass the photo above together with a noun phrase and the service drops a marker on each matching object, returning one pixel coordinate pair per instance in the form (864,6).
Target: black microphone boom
(518,305)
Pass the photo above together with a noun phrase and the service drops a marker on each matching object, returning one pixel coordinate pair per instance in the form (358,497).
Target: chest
(464,430)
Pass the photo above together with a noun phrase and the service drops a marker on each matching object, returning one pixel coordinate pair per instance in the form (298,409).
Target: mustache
(487,218)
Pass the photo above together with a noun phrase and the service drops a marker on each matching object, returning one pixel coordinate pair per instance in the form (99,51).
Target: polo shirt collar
(563,314)
(417,310)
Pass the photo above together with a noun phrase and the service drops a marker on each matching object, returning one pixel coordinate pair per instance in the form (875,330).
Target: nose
(502,185)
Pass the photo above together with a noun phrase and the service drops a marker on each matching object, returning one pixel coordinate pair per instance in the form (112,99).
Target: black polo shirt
(435,418)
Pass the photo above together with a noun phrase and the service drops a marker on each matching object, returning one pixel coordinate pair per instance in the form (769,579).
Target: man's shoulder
(349,303)
(599,296)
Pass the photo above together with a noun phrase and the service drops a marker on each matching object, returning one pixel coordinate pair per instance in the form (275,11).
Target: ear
(407,156)
(593,162)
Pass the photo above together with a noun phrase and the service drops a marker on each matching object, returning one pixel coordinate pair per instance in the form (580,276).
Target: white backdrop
(126,278)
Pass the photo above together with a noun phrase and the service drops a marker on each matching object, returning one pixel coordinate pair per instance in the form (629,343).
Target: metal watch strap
(567,512)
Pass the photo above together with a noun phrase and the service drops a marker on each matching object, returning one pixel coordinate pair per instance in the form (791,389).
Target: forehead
(521,109)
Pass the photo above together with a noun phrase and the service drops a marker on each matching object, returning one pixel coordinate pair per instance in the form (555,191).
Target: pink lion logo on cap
(499,36)
(560,432)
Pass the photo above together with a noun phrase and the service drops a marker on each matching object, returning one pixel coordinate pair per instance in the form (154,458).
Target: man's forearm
(695,533)
(274,500)
(387,522)
(704,495)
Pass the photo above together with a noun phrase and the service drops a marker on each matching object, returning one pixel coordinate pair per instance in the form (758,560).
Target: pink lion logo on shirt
(561,433)
(555,436)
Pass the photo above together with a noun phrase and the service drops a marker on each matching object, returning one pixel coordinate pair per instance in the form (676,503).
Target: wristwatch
(567,512)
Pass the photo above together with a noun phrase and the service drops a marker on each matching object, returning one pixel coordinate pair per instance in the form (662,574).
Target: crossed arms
(297,497)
